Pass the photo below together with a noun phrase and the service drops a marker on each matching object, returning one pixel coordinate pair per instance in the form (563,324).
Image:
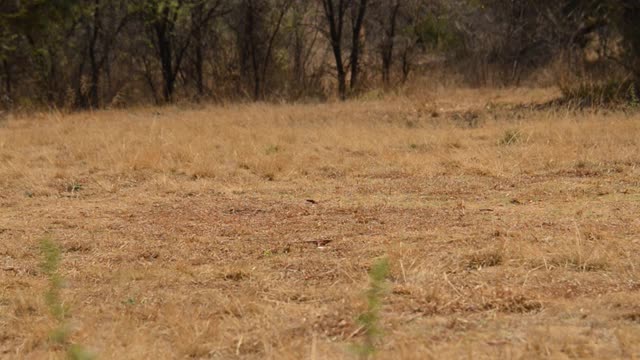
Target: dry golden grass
(187,232)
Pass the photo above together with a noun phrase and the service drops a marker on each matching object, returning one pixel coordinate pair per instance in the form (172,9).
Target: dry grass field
(246,231)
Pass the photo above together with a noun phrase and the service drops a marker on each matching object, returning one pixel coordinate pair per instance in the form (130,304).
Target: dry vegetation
(510,233)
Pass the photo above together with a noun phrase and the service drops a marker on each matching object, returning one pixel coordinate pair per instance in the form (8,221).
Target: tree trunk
(342,75)
(199,71)
(199,56)
(166,60)
(389,44)
(253,49)
(406,66)
(7,79)
(95,80)
(298,60)
(631,33)
(272,38)
(358,21)
(336,23)
(342,85)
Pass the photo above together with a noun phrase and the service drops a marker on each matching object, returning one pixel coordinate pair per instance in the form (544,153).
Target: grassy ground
(510,233)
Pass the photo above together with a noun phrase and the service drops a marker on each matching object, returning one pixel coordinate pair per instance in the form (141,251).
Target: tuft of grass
(634,97)
(51,257)
(582,164)
(272,149)
(73,187)
(485,259)
(369,320)
(77,352)
(129,302)
(50,263)
(511,137)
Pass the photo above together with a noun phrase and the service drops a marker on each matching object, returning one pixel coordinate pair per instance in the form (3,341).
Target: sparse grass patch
(50,262)
(582,164)
(511,137)
(273,149)
(485,258)
(236,276)
(51,257)
(577,261)
(602,94)
(507,302)
(73,187)
(585,253)
(369,320)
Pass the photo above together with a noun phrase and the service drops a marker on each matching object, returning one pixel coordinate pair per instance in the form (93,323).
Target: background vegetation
(104,53)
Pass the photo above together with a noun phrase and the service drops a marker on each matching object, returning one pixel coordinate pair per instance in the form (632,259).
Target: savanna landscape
(247,231)
(326,179)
